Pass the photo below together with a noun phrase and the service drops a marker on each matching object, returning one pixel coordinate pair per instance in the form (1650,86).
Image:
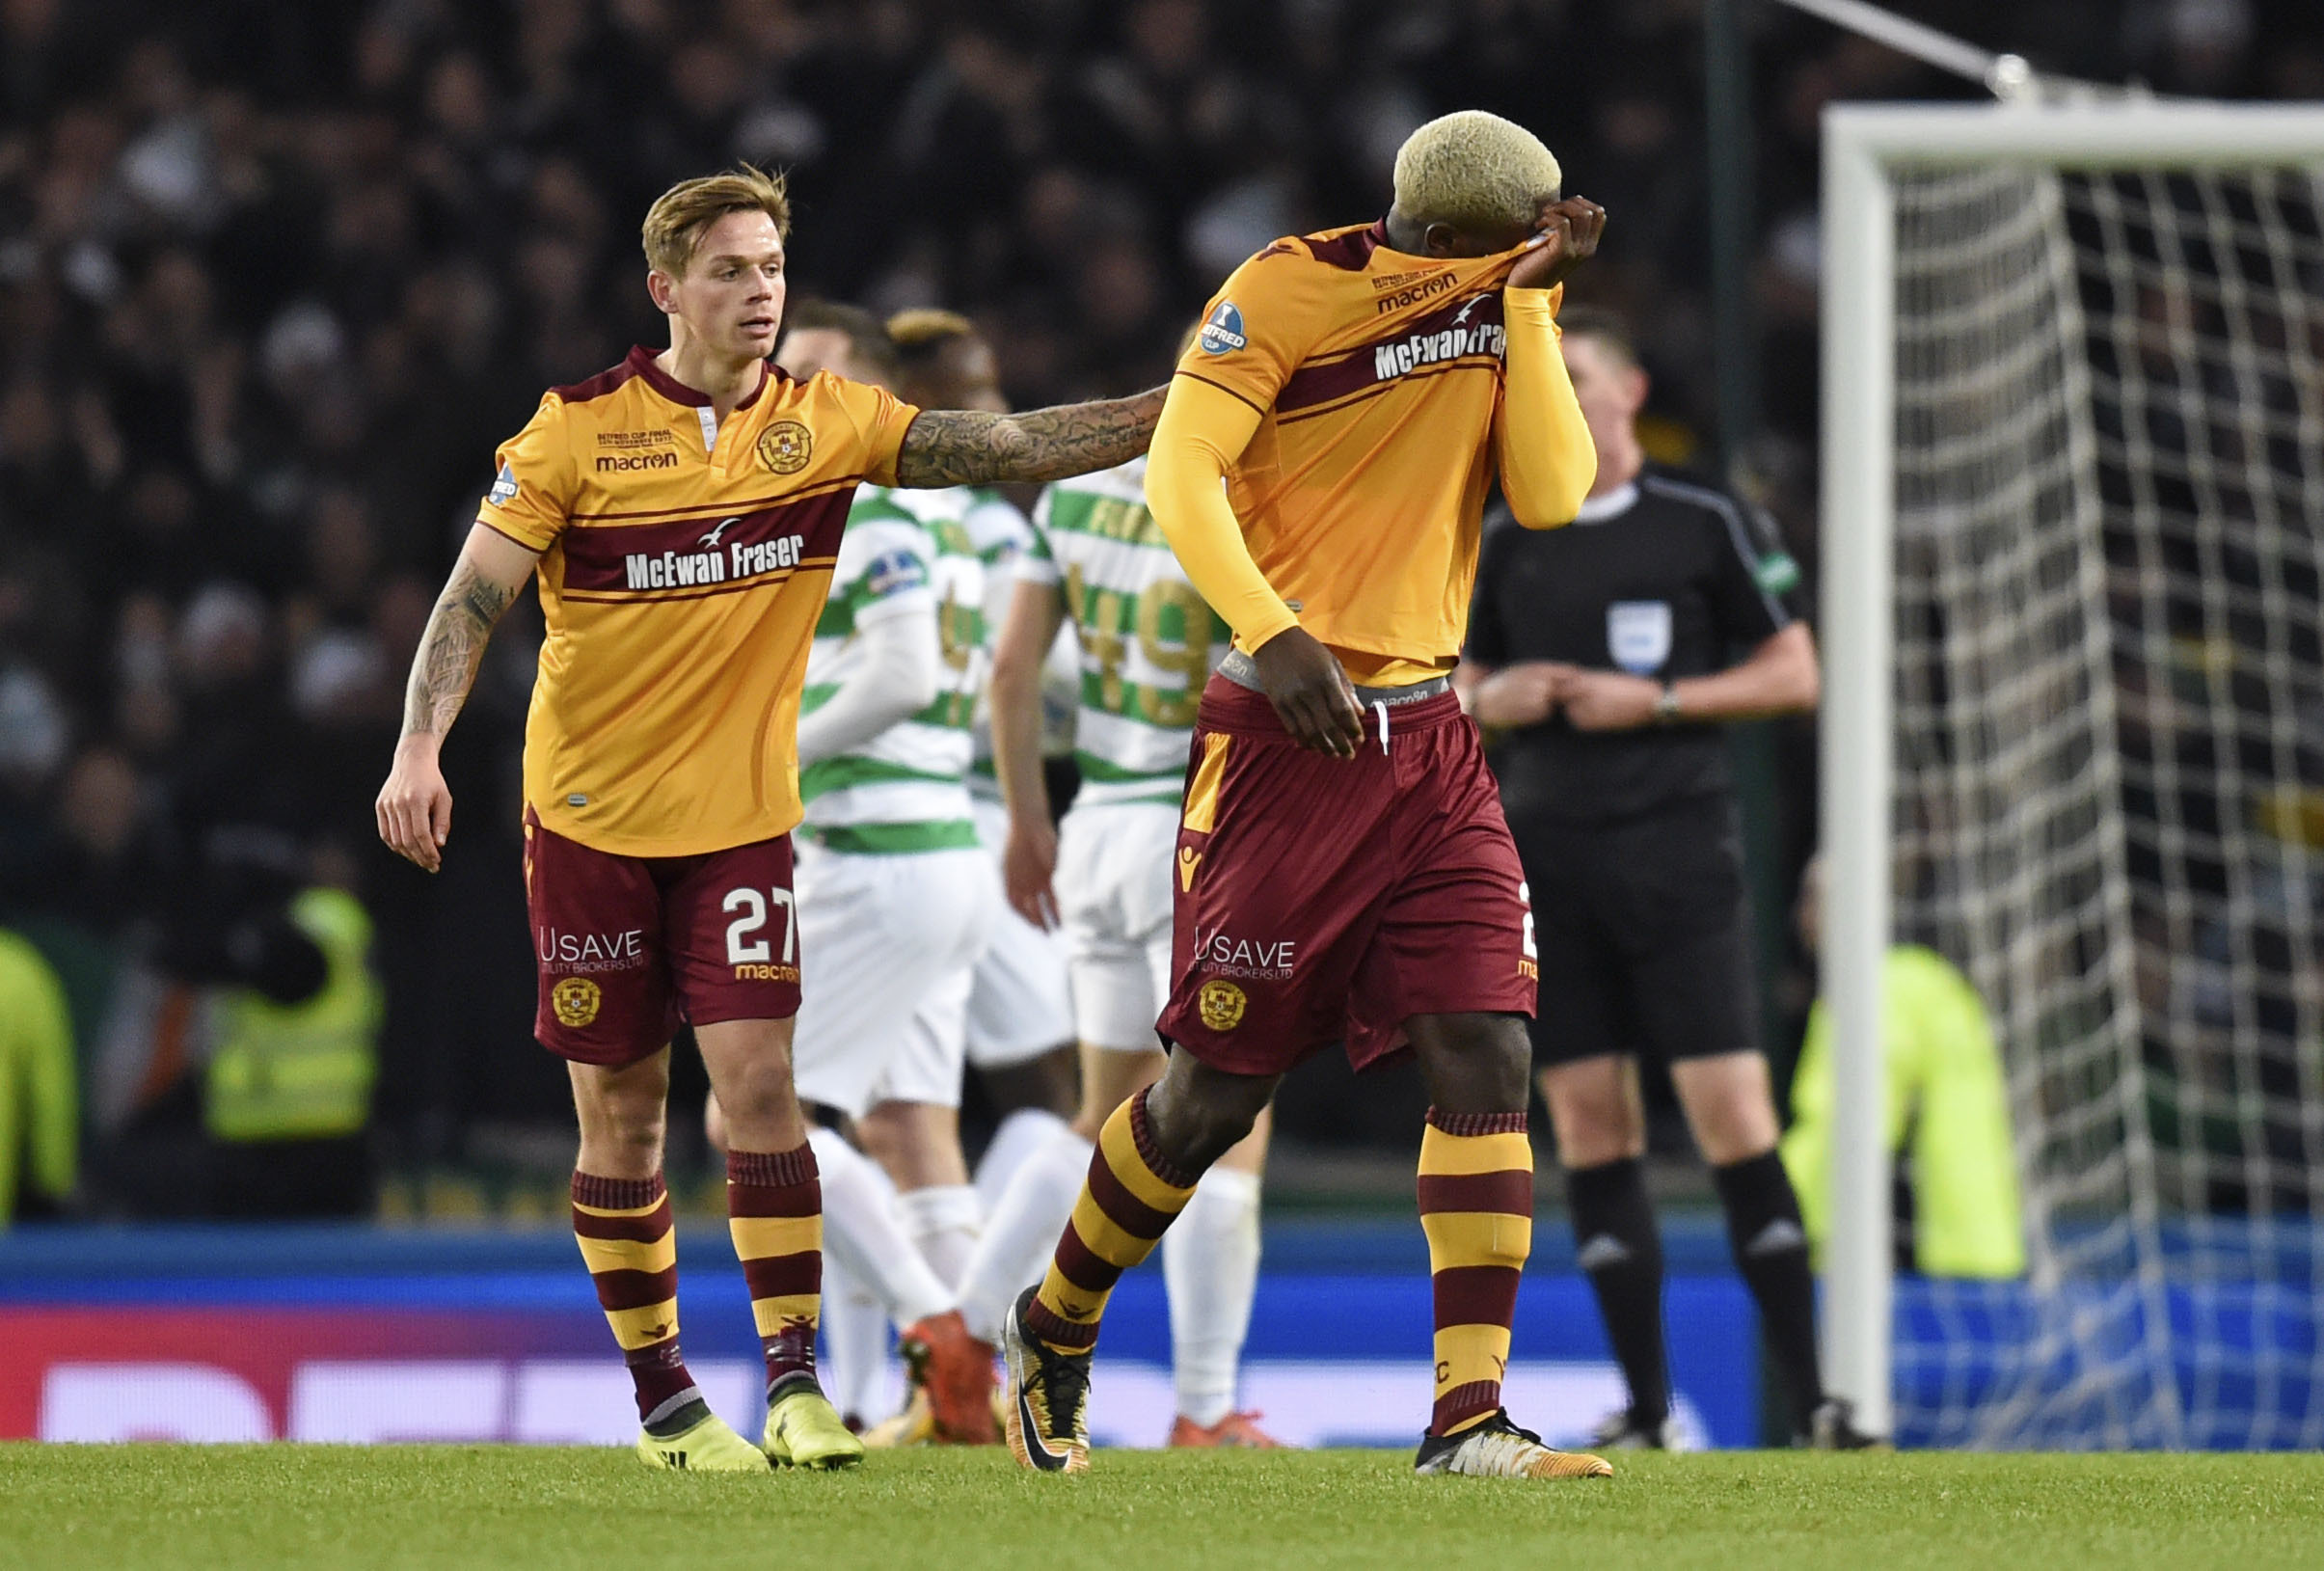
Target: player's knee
(1735,1133)
(1585,1142)
(1728,1105)
(756,1093)
(1195,1125)
(632,1127)
(1474,1062)
(1209,1135)
(1594,1125)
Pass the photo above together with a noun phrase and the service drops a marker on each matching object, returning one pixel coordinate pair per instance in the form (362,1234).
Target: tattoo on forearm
(962,446)
(451,649)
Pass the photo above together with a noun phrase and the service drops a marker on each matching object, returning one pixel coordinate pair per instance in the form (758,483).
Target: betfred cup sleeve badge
(1222,330)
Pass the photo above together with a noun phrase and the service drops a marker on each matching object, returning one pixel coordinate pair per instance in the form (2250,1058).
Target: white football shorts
(887,946)
(1112,889)
(1017,1007)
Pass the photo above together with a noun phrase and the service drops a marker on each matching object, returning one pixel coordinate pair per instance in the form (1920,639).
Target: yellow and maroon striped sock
(774,1207)
(1476,1206)
(1131,1197)
(630,1247)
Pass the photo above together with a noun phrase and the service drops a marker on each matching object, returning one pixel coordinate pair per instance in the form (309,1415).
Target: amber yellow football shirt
(1378,377)
(683,564)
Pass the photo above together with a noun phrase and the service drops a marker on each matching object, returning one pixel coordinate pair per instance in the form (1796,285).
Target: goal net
(2107,799)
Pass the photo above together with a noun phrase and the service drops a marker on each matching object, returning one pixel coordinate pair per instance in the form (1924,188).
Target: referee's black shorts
(1642,934)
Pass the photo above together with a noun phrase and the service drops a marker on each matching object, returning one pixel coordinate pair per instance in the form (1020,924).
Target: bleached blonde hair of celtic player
(1475,170)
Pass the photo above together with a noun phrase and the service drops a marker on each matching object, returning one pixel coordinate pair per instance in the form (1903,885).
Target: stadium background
(273,278)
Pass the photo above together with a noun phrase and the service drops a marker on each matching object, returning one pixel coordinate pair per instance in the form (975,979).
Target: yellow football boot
(803,1430)
(709,1446)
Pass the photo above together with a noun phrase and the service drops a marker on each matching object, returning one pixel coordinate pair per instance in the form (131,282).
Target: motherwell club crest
(785,447)
(1221,1005)
(575,1001)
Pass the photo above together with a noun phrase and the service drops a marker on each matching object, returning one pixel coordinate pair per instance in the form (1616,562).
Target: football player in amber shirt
(1344,869)
(683,511)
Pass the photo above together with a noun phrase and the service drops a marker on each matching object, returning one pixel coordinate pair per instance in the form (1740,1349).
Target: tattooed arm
(967,447)
(414,806)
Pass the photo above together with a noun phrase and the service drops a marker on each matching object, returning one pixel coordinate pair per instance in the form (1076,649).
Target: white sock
(1020,1233)
(942,1223)
(854,1331)
(864,1235)
(1211,1265)
(1014,1144)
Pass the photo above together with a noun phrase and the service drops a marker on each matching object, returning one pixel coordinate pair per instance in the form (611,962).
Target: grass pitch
(513,1508)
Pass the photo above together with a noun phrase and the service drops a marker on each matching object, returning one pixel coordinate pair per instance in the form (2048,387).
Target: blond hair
(1474,169)
(923,330)
(674,224)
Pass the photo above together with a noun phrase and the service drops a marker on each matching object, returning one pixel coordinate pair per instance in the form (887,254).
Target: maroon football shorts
(1322,900)
(630,947)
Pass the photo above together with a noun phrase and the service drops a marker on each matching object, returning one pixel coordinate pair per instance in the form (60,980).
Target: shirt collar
(643,362)
(1613,505)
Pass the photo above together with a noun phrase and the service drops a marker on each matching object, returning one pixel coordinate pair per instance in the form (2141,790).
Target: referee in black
(1606,652)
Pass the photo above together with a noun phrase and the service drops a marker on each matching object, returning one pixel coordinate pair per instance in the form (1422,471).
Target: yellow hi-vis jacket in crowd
(302,1070)
(1945,1088)
(39,1096)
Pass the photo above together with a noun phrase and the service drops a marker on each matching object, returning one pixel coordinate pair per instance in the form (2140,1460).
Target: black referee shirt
(1663,579)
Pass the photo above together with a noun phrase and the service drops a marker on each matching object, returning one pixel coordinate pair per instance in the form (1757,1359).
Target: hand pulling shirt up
(1357,400)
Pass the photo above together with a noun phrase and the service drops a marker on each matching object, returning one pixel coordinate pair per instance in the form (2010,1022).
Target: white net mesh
(2110,785)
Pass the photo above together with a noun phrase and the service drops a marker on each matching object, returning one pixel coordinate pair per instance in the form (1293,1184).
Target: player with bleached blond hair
(683,513)
(1343,871)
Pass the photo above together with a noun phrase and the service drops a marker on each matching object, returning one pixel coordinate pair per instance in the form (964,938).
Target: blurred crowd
(276,277)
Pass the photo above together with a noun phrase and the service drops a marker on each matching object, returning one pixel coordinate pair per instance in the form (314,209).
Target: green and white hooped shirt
(904,554)
(1147,640)
(999,534)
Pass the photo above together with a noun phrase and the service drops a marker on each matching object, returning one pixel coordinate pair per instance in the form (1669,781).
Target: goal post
(1966,252)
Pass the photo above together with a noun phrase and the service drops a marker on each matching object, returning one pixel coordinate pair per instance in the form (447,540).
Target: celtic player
(1148,644)
(896,895)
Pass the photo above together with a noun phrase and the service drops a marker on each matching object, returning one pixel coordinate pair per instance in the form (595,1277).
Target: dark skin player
(1472,1062)
(1298,671)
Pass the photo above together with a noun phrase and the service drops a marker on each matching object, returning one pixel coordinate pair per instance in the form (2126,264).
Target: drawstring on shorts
(1380,709)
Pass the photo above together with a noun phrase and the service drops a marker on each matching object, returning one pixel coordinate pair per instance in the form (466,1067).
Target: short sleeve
(1755,585)
(875,420)
(1037,564)
(1488,643)
(534,480)
(884,566)
(1256,329)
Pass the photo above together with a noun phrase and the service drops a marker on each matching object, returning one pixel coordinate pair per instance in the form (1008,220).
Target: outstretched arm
(414,806)
(968,446)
